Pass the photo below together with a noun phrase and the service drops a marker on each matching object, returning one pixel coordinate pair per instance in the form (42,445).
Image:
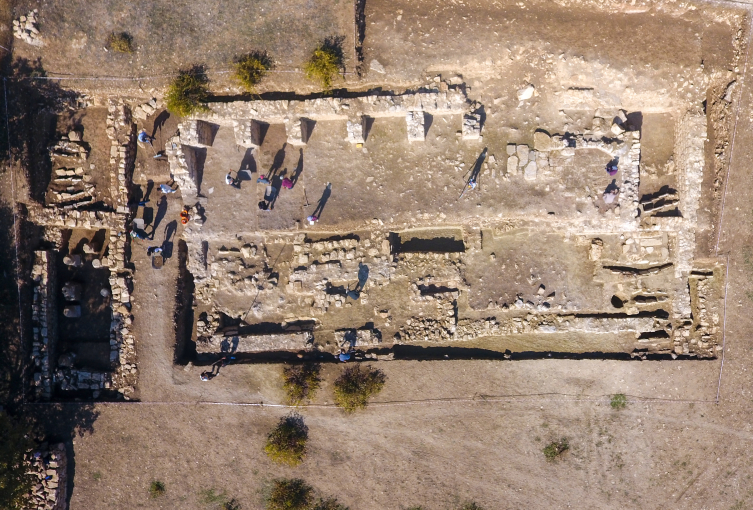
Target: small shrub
(286,444)
(301,381)
(326,62)
(157,489)
(211,497)
(120,43)
(251,68)
(355,385)
(619,401)
(290,494)
(329,504)
(556,448)
(188,92)
(470,506)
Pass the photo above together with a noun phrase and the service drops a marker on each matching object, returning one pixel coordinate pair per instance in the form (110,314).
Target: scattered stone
(526,92)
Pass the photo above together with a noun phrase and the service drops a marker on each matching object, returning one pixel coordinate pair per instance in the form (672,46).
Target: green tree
(188,92)
(286,443)
(355,385)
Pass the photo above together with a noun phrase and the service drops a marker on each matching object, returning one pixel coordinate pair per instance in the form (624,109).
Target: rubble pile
(49,466)
(27,29)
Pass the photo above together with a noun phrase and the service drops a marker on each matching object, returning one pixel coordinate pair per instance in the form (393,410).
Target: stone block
(416,126)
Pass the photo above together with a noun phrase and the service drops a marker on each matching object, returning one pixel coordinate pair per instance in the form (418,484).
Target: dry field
(472,397)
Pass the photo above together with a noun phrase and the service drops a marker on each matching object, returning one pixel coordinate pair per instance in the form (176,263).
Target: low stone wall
(49,466)
(294,341)
(44,324)
(122,151)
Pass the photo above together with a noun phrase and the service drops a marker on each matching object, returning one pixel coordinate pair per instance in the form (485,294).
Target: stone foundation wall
(44,324)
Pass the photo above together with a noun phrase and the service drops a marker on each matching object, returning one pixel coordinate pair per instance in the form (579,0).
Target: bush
(301,381)
(188,92)
(329,504)
(355,385)
(619,401)
(470,506)
(556,448)
(326,62)
(15,482)
(290,494)
(156,489)
(120,43)
(286,444)
(218,500)
(251,68)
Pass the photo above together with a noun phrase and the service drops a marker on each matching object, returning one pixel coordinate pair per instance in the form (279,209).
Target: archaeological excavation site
(515,185)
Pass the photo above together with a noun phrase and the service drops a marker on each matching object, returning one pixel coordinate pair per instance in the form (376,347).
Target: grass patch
(326,62)
(218,499)
(251,68)
(121,42)
(556,448)
(328,504)
(355,385)
(157,489)
(15,482)
(301,382)
(290,494)
(470,506)
(286,443)
(97,476)
(619,401)
(187,93)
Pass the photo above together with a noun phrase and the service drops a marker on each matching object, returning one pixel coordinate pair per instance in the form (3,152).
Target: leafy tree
(286,443)
(326,62)
(301,381)
(355,385)
(251,68)
(290,494)
(188,92)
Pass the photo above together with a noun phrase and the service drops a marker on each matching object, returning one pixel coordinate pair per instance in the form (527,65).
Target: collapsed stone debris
(26,28)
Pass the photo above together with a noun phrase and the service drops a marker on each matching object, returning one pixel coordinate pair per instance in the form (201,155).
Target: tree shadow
(32,108)
(62,423)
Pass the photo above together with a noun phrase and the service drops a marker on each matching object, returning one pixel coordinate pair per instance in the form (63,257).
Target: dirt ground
(442,432)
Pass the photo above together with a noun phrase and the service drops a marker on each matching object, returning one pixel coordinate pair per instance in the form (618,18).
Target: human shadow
(612,187)
(159,122)
(277,162)
(161,212)
(298,170)
(363,276)
(323,200)
(167,243)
